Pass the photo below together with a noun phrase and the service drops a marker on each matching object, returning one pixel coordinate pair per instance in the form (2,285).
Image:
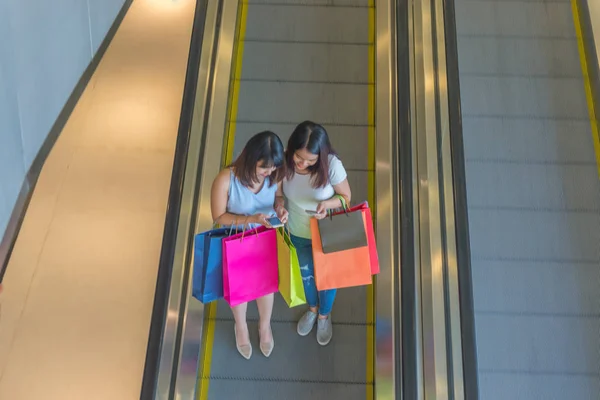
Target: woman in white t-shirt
(314,176)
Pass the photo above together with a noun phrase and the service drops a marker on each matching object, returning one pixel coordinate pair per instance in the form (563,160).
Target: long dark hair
(265,147)
(312,137)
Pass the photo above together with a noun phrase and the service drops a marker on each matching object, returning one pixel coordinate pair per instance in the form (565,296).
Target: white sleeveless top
(242,201)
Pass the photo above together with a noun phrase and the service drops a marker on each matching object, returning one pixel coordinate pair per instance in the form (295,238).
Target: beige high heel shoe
(267,347)
(246,349)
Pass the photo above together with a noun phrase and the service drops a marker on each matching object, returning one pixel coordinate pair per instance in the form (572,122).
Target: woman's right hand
(321,210)
(259,219)
(320,215)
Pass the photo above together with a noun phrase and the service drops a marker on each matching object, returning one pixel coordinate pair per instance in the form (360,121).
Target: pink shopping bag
(250,268)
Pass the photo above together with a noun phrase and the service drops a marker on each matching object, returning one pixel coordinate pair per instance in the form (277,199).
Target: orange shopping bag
(340,269)
(368,219)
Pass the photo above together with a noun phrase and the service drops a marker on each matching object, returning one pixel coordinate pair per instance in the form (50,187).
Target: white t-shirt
(301,196)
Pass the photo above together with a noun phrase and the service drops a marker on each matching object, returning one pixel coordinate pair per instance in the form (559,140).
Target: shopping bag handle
(216,222)
(244,229)
(287,232)
(345,207)
(243,226)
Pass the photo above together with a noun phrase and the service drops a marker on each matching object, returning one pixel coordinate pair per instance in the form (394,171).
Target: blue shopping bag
(207,282)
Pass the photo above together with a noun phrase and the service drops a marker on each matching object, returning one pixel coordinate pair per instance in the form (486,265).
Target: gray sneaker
(324,331)
(306,323)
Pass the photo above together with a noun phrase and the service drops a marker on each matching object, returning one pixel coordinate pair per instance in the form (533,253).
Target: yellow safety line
(234,88)
(370,365)
(234,93)
(207,340)
(583,58)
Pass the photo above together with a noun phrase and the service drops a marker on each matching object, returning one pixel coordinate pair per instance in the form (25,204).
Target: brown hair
(265,147)
(312,137)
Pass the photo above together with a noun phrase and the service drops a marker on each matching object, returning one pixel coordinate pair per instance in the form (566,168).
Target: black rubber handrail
(405,285)
(463,250)
(165,267)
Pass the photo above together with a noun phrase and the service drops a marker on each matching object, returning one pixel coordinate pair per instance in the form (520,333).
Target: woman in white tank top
(314,176)
(244,194)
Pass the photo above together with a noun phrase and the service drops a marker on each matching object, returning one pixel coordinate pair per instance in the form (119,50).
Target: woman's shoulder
(333,159)
(223,178)
(225,174)
(337,172)
(335,163)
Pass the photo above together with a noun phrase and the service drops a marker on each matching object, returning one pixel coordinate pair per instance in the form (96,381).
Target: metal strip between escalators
(208,333)
(161,297)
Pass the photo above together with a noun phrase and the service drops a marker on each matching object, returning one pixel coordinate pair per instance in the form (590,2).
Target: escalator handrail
(165,267)
(463,251)
(405,289)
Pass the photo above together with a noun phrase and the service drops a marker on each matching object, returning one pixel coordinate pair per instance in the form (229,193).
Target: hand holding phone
(322,208)
(275,222)
(317,214)
(283,214)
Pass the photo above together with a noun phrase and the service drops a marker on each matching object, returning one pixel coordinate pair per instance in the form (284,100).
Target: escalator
(532,155)
(302,64)
(383,77)
(352,67)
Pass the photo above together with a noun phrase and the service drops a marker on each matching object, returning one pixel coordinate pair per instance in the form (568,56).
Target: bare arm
(280,204)
(218,204)
(343,189)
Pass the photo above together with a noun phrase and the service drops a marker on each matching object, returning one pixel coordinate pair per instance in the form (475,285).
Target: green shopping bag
(290,278)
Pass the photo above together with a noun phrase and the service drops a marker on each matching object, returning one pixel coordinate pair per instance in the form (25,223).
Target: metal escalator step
(348,3)
(270,390)
(523,97)
(349,308)
(528,235)
(306,23)
(516,19)
(495,140)
(294,359)
(306,62)
(285,101)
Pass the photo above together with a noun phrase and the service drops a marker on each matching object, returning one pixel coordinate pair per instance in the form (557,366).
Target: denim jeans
(323,299)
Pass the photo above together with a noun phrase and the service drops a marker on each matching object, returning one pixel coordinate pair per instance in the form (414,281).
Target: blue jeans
(323,299)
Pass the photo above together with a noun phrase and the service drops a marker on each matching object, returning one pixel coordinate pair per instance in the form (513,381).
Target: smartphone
(275,222)
(311,212)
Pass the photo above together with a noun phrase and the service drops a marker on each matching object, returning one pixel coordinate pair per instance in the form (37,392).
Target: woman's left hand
(282,214)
